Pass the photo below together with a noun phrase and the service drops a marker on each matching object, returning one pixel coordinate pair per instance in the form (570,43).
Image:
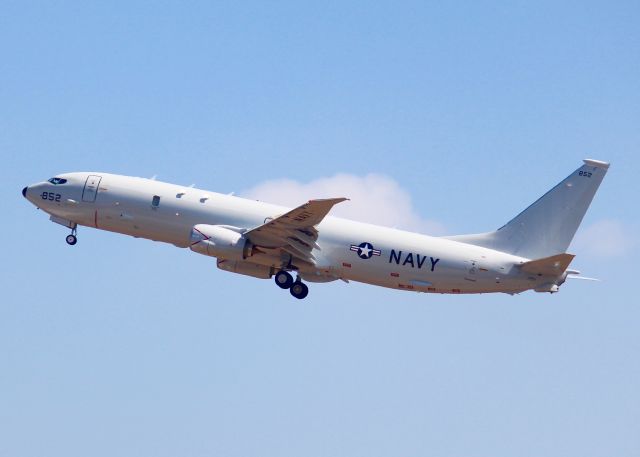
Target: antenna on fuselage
(153,178)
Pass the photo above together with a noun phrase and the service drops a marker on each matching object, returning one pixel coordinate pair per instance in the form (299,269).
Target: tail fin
(547,226)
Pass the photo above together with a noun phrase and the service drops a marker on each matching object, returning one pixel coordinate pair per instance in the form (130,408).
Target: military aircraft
(264,240)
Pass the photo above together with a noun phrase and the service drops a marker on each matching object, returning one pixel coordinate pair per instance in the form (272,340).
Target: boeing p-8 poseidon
(263,240)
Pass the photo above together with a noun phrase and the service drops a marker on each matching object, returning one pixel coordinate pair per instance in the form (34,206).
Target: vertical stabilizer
(547,227)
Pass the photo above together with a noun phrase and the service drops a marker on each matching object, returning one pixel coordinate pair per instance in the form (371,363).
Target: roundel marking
(365,250)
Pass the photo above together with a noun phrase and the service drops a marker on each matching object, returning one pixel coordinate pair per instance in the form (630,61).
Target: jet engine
(219,241)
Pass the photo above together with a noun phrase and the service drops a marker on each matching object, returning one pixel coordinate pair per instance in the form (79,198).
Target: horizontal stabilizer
(583,278)
(548,266)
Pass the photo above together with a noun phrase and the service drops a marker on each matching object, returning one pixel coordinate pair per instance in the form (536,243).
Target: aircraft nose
(24,192)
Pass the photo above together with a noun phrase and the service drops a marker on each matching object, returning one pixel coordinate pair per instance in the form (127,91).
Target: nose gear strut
(72,238)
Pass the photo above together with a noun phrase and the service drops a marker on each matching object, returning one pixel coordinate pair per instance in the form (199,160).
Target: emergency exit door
(90,190)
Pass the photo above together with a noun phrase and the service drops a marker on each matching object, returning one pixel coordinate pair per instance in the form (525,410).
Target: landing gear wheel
(283,279)
(71,239)
(299,290)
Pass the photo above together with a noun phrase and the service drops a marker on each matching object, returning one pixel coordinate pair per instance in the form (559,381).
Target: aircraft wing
(294,232)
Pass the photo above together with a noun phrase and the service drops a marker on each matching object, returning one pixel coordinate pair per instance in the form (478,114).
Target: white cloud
(374,198)
(605,238)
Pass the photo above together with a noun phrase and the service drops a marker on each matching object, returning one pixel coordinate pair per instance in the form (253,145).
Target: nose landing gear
(72,238)
(297,288)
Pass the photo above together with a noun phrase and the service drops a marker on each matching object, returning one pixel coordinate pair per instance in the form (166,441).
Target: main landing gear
(72,238)
(297,288)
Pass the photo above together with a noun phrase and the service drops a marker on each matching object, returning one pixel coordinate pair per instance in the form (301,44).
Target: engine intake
(219,241)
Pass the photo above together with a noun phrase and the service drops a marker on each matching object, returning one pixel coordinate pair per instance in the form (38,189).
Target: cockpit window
(57,181)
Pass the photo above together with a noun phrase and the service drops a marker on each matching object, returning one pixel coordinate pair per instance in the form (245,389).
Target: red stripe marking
(345,264)
(395,275)
(205,237)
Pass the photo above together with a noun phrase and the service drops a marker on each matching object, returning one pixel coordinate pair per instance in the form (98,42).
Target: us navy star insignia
(365,250)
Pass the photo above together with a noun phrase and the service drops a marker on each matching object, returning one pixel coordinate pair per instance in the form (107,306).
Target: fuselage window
(57,181)
(156,201)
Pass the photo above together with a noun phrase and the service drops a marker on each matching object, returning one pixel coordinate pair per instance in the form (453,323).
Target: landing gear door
(91,188)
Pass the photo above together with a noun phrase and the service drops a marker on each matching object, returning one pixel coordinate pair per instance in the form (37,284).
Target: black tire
(283,279)
(71,240)
(299,290)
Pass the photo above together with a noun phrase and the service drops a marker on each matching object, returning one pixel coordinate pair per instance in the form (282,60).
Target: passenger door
(90,190)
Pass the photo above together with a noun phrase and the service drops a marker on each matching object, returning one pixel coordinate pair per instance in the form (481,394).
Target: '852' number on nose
(50,196)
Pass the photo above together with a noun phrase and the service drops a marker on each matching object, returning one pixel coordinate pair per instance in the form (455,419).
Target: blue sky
(464,112)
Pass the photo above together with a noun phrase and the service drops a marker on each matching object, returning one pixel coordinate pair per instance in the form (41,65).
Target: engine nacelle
(246,268)
(219,241)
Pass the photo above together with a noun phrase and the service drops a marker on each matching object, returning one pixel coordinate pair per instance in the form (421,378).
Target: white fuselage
(402,260)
